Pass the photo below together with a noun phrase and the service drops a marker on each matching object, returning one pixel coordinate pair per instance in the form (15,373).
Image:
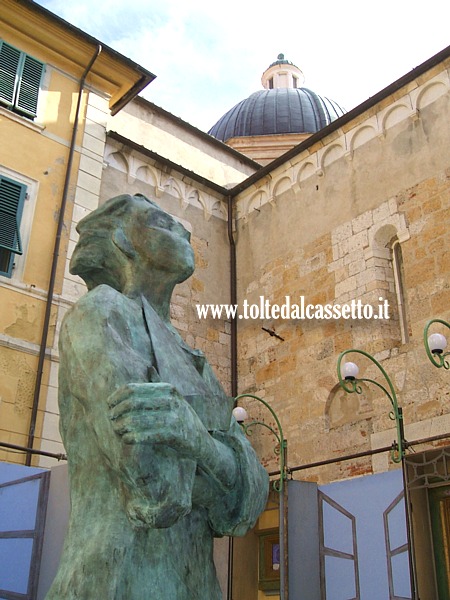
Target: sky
(208,55)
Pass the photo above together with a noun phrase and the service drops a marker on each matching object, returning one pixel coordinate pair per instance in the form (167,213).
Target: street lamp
(350,382)
(435,345)
(279,486)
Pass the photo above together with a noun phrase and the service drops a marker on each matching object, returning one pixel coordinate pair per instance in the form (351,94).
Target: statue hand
(155,413)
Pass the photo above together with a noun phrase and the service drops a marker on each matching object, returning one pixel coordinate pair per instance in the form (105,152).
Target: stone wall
(361,215)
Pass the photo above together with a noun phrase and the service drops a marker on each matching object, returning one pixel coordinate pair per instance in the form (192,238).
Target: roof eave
(131,80)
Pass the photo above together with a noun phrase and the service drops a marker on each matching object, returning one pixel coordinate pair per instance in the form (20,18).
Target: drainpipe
(234,376)
(233,299)
(51,285)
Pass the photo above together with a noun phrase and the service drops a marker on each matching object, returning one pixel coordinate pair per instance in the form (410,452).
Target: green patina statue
(157,465)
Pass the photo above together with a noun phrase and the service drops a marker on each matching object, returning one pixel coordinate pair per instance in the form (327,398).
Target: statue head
(129,238)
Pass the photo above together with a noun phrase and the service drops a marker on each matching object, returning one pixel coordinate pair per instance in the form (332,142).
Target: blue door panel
(23,503)
(15,561)
(18,505)
(376,504)
(337,527)
(340,578)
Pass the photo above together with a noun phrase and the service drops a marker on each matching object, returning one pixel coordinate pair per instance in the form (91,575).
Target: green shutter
(20,80)
(29,84)
(12,196)
(9,63)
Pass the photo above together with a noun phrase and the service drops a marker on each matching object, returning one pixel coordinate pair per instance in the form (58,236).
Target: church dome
(283,107)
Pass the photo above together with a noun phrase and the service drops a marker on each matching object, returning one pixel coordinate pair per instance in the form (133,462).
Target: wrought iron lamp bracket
(439,359)
(280,449)
(354,385)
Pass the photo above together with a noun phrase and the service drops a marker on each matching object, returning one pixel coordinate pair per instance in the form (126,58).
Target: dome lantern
(282,74)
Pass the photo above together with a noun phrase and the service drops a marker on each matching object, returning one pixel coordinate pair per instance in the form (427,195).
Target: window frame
(23,75)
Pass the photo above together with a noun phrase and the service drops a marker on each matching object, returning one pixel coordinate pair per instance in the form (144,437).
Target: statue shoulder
(103,303)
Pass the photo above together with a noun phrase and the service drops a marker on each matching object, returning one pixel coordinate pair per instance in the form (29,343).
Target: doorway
(428,480)
(439,502)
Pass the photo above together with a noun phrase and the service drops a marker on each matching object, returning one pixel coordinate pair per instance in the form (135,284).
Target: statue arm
(236,512)
(244,503)
(231,484)
(163,417)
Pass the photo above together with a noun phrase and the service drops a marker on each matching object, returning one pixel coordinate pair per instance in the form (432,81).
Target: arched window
(397,267)
(387,251)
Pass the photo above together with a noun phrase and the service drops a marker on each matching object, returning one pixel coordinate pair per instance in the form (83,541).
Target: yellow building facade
(57,88)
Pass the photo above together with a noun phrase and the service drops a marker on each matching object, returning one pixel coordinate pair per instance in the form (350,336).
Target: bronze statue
(157,465)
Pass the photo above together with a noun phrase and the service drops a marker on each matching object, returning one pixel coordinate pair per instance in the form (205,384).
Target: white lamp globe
(240,414)
(437,343)
(350,370)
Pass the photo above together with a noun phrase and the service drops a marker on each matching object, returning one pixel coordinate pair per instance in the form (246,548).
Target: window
(12,197)
(20,80)
(388,271)
(397,265)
